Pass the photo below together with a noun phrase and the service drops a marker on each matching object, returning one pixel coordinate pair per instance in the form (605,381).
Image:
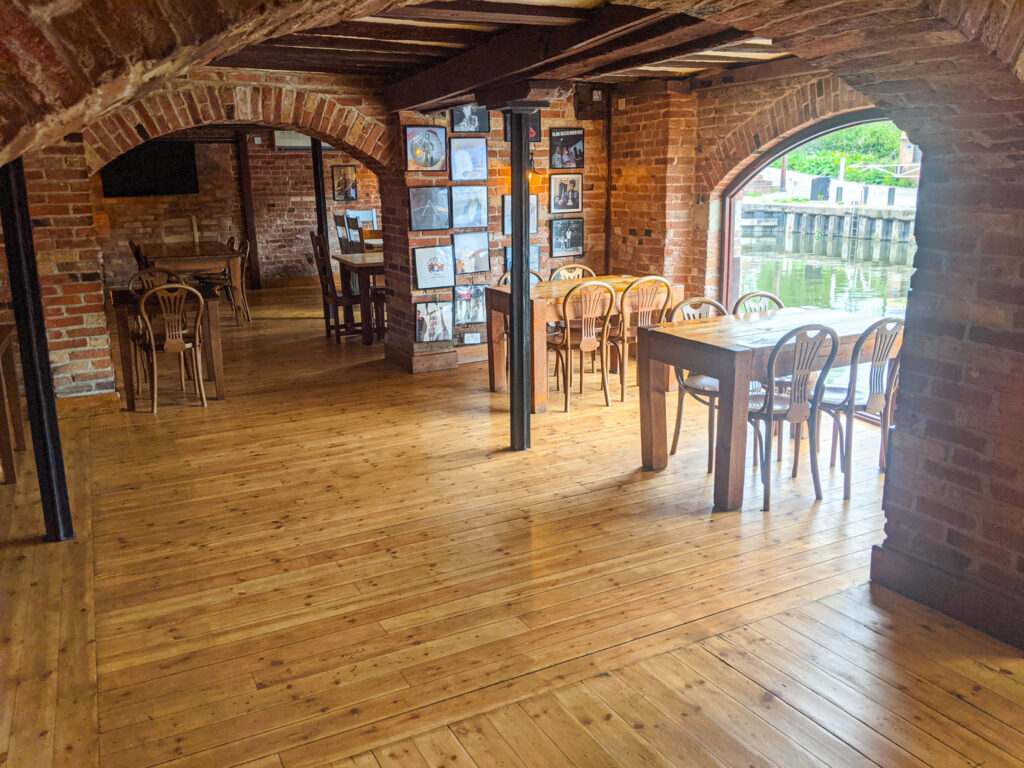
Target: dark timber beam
(248,208)
(319,191)
(472,12)
(35,355)
(356,45)
(421,33)
(674,52)
(299,60)
(514,54)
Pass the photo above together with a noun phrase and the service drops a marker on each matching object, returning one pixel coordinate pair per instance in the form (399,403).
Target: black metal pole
(520,342)
(319,191)
(35,355)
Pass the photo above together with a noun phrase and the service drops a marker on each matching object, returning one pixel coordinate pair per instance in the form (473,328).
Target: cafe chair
(703,389)
(141,262)
(222,282)
(644,302)
(756,301)
(795,358)
(587,311)
(535,277)
(865,386)
(179,310)
(572,272)
(142,281)
(333,300)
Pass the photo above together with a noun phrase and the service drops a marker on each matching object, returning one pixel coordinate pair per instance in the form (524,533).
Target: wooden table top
(361,260)
(200,250)
(555,290)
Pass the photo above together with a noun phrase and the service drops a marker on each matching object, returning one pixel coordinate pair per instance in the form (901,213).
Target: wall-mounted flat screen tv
(154,168)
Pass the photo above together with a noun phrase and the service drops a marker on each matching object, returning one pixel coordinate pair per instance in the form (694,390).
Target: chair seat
(837,383)
(698,382)
(780,403)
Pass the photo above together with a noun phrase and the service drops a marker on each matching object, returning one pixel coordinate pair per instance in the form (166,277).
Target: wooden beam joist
(666,54)
(357,44)
(474,12)
(404,33)
(292,60)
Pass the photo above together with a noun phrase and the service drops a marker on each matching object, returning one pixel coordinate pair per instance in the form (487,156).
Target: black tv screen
(154,168)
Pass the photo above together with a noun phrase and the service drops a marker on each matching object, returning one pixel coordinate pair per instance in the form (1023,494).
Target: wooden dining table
(197,257)
(545,307)
(733,349)
(12,428)
(364,266)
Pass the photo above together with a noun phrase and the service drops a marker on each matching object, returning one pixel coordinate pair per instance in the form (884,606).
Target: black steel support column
(319,191)
(35,355)
(520,341)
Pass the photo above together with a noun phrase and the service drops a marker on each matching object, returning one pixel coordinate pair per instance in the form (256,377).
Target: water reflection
(863,276)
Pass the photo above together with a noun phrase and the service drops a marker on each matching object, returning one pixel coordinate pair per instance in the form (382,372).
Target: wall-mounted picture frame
(429,208)
(468,158)
(344,183)
(566,193)
(435,267)
(472,252)
(506,214)
(565,148)
(532,127)
(426,148)
(469,207)
(566,237)
(434,321)
(469,118)
(534,257)
(470,307)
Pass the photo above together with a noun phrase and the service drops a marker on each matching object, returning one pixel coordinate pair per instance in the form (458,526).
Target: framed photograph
(506,211)
(434,321)
(426,148)
(566,193)
(344,182)
(469,207)
(532,127)
(428,208)
(534,257)
(469,159)
(566,147)
(566,238)
(472,252)
(469,118)
(435,267)
(469,304)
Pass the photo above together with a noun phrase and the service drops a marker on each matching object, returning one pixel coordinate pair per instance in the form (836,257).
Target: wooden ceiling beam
(666,54)
(358,44)
(406,33)
(474,12)
(296,60)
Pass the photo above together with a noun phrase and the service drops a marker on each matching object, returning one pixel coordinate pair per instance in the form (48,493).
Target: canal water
(863,276)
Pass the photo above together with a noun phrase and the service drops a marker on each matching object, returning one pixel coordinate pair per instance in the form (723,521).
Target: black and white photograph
(428,208)
(532,127)
(469,304)
(469,159)
(426,148)
(469,207)
(566,147)
(506,212)
(566,238)
(566,193)
(434,321)
(472,252)
(534,257)
(469,118)
(435,267)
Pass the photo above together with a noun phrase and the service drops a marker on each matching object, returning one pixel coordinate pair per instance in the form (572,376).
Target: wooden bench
(12,429)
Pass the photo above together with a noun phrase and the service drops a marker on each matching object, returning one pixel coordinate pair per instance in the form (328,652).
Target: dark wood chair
(12,428)
(222,281)
(141,262)
(334,301)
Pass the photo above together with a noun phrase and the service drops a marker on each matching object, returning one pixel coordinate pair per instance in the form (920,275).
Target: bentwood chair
(795,359)
(703,389)
(179,309)
(535,277)
(572,272)
(644,302)
(756,301)
(222,282)
(867,389)
(587,310)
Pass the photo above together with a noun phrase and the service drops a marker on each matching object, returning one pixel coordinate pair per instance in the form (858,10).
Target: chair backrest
(644,302)
(696,308)
(587,310)
(342,231)
(535,277)
(756,301)
(170,304)
(323,265)
(794,358)
(231,242)
(245,248)
(572,272)
(355,235)
(149,278)
(364,216)
(884,333)
(141,262)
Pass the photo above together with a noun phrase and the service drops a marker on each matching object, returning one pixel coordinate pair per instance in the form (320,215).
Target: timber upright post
(35,354)
(320,195)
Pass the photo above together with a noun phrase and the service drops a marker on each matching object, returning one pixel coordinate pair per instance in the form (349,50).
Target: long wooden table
(545,307)
(126,305)
(364,266)
(12,428)
(204,256)
(734,349)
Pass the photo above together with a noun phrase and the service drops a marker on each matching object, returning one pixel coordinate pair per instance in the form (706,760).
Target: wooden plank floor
(341,562)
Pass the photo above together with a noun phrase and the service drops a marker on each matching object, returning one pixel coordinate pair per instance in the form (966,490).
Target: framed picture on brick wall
(469,207)
(566,237)
(566,147)
(434,321)
(469,158)
(534,257)
(469,118)
(344,182)
(426,148)
(566,193)
(428,208)
(472,252)
(532,127)
(506,214)
(469,304)
(435,267)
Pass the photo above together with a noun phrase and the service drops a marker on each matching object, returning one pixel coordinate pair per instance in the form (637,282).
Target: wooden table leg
(10,384)
(346,290)
(496,351)
(124,345)
(7,421)
(213,356)
(731,440)
(653,435)
(235,272)
(539,357)
(365,307)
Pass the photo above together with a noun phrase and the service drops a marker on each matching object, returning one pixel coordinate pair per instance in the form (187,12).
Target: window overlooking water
(831,223)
